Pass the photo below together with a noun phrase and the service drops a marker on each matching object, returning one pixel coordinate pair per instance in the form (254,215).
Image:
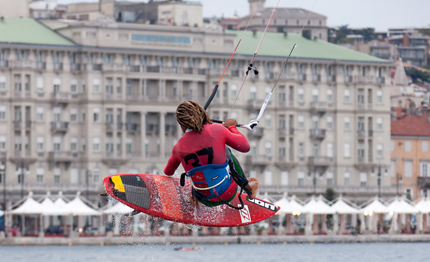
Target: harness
(212,181)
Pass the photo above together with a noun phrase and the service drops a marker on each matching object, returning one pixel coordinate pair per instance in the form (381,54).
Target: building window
(268,121)
(284,178)
(2,113)
(74,86)
(39,175)
(301,149)
(57,175)
(301,124)
(129,145)
(347,121)
(424,169)
(96,115)
(315,149)
(268,178)
(96,85)
(74,144)
(330,149)
(329,96)
(408,146)
(346,179)
(57,143)
(253,147)
(315,94)
(2,143)
(40,143)
(379,97)
(379,124)
(363,179)
(329,177)
(268,146)
(96,175)
(347,150)
(424,146)
(392,145)
(346,96)
(2,83)
(57,85)
(300,178)
(252,93)
(233,91)
(329,123)
(73,115)
(40,84)
(301,94)
(408,168)
(379,152)
(96,144)
(315,122)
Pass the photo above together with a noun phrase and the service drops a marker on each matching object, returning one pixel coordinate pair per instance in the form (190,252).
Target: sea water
(390,252)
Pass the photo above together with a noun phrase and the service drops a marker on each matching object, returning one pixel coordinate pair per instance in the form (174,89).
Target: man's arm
(172,164)
(234,138)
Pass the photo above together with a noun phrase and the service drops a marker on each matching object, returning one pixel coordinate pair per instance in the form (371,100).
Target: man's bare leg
(253,187)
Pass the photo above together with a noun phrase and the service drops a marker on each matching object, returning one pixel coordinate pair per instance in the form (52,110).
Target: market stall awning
(79,208)
(341,207)
(423,205)
(317,206)
(29,206)
(375,206)
(118,208)
(401,206)
(48,208)
(290,206)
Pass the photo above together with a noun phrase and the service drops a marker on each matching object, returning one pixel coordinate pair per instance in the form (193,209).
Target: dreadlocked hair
(192,115)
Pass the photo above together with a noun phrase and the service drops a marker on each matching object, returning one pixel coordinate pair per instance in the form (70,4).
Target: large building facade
(88,100)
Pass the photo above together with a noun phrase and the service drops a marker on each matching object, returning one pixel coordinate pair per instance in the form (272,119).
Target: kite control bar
(249,126)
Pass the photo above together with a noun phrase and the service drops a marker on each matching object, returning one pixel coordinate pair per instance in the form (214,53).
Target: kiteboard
(164,197)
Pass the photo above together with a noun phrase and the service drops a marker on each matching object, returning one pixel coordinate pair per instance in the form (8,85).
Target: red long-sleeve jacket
(208,147)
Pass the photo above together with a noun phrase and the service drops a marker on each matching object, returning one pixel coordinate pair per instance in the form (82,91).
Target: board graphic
(164,197)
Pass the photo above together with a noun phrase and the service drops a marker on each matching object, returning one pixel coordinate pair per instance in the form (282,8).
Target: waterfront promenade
(171,240)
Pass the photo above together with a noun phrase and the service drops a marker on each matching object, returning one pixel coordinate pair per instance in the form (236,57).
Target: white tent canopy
(48,208)
(317,206)
(400,206)
(341,207)
(79,208)
(30,206)
(423,205)
(283,203)
(375,206)
(290,206)
(118,208)
(1,213)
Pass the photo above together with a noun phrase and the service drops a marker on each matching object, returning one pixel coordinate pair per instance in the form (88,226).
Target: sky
(379,14)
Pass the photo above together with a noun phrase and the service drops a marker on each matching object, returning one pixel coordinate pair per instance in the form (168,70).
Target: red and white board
(164,197)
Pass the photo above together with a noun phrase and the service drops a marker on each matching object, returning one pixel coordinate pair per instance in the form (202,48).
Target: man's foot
(253,187)
(194,201)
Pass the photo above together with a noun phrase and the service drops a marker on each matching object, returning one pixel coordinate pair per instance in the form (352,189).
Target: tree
(330,194)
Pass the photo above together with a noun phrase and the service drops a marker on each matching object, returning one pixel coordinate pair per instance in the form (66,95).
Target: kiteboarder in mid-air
(205,157)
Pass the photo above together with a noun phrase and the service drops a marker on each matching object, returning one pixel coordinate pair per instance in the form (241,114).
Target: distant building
(14,8)
(410,155)
(163,12)
(287,20)
(46,9)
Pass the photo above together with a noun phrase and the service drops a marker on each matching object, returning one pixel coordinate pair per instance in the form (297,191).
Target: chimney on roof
(285,33)
(254,32)
(2,18)
(405,40)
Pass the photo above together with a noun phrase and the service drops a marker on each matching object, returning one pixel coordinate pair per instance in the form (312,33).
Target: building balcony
(188,70)
(58,66)
(361,134)
(423,182)
(320,160)
(60,97)
(349,79)
(171,99)
(258,160)
(109,126)
(60,127)
(370,133)
(134,155)
(171,129)
(236,73)
(364,79)
(4,63)
(287,76)
(270,76)
(62,156)
(153,69)
(75,67)
(282,132)
(114,159)
(301,77)
(256,103)
(113,67)
(257,132)
(331,78)
(316,78)
(154,98)
(317,133)
(319,107)
(283,163)
(132,127)
(22,64)
(152,129)
(134,68)
(380,80)
(130,97)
